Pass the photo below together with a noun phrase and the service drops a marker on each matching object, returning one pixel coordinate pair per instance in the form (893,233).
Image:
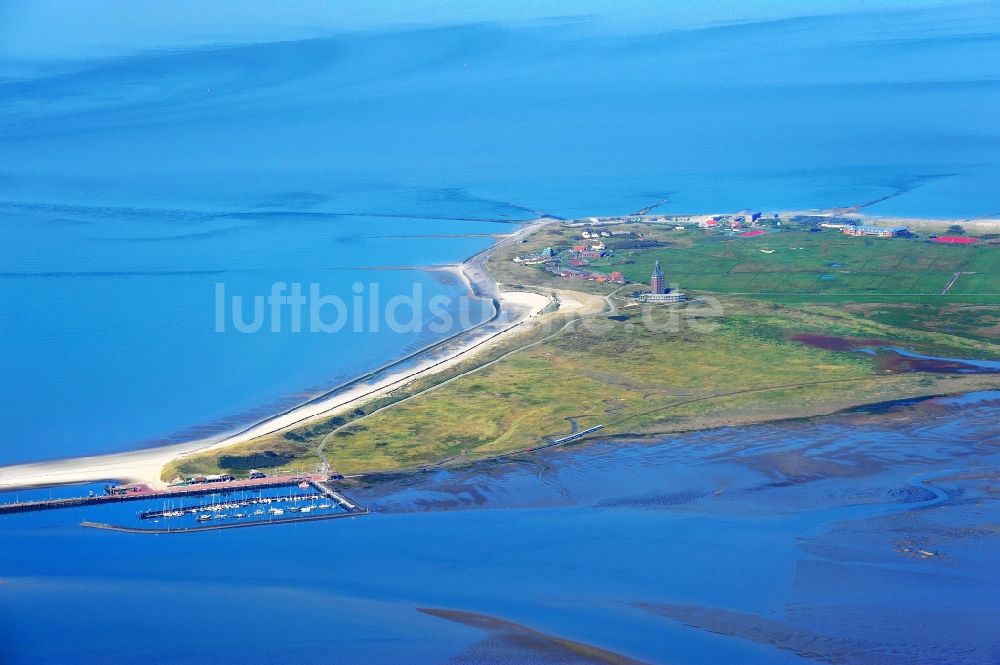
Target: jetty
(572,437)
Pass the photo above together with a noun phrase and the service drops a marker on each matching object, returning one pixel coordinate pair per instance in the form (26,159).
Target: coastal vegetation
(638,371)
(794,264)
(634,381)
(277,455)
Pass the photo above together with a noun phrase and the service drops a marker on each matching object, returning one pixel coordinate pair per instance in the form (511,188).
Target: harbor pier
(136,492)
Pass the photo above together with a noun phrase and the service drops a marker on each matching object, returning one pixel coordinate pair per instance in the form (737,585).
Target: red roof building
(754,233)
(579,248)
(955,240)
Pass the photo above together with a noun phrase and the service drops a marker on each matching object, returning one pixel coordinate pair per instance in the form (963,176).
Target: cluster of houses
(570,262)
(580,254)
(589,251)
(748,226)
(849,227)
(737,221)
(731,222)
(586,275)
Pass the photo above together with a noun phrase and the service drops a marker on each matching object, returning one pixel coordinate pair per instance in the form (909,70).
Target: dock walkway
(345,503)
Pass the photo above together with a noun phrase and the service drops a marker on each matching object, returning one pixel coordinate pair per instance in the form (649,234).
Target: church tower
(656,280)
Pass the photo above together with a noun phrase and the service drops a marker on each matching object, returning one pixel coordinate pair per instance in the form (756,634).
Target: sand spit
(512,309)
(511,642)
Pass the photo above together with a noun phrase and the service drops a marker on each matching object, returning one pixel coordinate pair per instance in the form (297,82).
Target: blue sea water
(118,346)
(802,525)
(151,151)
(146,155)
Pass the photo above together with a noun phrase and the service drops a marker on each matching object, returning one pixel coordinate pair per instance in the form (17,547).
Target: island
(632,327)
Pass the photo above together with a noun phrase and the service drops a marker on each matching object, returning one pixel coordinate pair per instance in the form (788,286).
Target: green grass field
(301,458)
(816,264)
(633,379)
(636,379)
(801,266)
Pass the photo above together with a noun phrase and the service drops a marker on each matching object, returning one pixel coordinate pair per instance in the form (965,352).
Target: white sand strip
(146,465)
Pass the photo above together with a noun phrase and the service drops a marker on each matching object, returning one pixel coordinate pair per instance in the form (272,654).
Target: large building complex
(659,294)
(656,280)
(876,231)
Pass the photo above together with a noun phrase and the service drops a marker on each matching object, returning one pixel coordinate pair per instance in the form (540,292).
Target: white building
(661,298)
(876,231)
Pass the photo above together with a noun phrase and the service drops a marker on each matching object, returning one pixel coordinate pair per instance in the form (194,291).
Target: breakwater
(218,527)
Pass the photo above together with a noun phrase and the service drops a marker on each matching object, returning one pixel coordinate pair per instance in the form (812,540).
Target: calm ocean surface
(150,152)
(139,167)
(757,543)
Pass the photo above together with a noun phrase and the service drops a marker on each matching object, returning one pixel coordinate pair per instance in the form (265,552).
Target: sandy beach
(514,309)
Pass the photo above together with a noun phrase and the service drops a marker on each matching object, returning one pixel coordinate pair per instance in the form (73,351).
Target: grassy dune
(302,454)
(649,373)
(635,381)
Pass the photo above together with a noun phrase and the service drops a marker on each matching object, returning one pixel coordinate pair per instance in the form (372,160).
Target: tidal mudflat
(867,536)
(841,539)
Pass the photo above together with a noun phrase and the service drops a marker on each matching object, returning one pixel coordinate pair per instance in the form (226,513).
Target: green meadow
(801,264)
(657,370)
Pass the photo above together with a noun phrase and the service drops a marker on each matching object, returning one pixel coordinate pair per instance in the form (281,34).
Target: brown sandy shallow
(889,361)
(836,342)
(802,642)
(509,642)
(823,647)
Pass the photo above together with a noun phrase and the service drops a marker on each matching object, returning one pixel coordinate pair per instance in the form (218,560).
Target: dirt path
(950,284)
(473,370)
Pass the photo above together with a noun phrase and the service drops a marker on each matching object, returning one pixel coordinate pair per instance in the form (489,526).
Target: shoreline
(511,310)
(645,438)
(145,465)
